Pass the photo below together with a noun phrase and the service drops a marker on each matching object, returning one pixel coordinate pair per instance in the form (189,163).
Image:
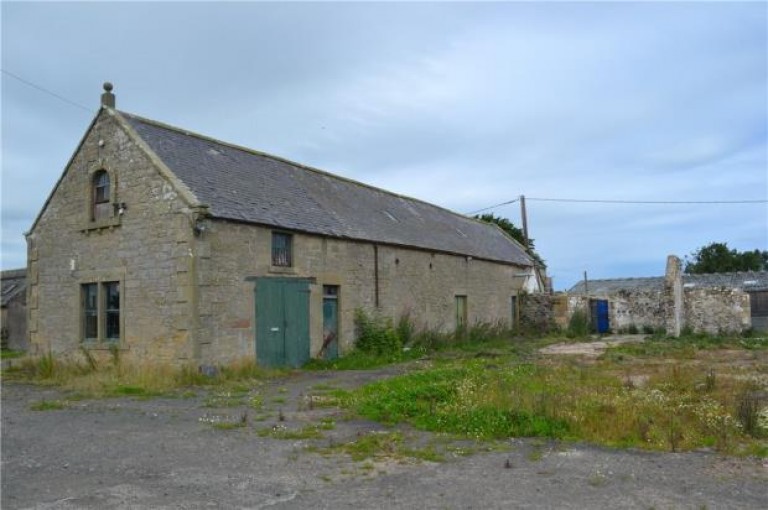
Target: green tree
(514,232)
(718,258)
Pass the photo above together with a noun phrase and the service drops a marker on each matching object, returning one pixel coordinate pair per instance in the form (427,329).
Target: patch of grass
(48,405)
(282,432)
(256,402)
(674,410)
(11,354)
(373,445)
(381,445)
(683,347)
(95,374)
(361,360)
(466,400)
(326,424)
(229,425)
(225,399)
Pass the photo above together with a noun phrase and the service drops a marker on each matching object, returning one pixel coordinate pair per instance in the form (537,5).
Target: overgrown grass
(676,410)
(578,325)
(381,342)
(360,360)
(685,346)
(89,376)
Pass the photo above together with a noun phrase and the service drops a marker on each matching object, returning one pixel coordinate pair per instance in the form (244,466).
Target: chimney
(108,98)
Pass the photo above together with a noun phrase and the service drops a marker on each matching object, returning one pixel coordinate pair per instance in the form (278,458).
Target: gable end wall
(147,250)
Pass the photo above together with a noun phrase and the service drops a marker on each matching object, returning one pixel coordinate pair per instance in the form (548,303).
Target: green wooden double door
(282,321)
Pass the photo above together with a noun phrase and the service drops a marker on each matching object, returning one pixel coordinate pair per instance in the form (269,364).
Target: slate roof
(249,186)
(747,280)
(12,283)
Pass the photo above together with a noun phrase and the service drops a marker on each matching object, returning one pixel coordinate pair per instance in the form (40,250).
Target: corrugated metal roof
(245,185)
(747,280)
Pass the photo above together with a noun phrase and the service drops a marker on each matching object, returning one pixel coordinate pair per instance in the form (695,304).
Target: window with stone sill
(100,312)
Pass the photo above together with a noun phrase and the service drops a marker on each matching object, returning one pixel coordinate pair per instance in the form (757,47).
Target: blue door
(600,320)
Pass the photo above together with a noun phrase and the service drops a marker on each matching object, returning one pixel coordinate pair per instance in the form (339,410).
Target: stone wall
(419,283)
(716,310)
(185,294)
(710,310)
(641,308)
(149,250)
(536,312)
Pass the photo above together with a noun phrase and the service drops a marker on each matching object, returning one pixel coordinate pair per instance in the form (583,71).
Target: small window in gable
(101,206)
(282,249)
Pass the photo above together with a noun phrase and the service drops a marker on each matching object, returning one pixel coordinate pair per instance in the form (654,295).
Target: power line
(663,202)
(493,207)
(46,91)
(641,202)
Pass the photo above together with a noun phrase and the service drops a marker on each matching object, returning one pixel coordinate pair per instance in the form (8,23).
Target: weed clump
(93,375)
(578,325)
(376,335)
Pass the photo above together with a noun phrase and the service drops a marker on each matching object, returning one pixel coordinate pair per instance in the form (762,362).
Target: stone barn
(174,247)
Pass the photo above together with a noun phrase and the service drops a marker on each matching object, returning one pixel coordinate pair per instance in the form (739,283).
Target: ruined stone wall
(709,310)
(536,312)
(148,250)
(421,284)
(641,308)
(716,310)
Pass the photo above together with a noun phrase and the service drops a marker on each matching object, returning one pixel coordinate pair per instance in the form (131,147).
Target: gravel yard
(205,451)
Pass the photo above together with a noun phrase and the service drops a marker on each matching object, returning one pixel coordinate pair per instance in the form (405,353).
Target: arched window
(100,192)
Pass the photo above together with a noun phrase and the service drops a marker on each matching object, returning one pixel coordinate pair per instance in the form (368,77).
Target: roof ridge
(13,273)
(257,152)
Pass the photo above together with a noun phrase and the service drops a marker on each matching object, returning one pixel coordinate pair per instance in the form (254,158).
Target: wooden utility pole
(524,217)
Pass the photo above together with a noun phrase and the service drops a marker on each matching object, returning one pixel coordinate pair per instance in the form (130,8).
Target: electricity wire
(640,202)
(46,91)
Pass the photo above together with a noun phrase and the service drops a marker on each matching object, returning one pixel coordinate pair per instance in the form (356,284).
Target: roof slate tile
(245,185)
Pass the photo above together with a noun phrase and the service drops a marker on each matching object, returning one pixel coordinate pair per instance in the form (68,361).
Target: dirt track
(164,453)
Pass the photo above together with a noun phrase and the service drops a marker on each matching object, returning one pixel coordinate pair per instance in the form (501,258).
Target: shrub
(376,334)
(405,329)
(578,325)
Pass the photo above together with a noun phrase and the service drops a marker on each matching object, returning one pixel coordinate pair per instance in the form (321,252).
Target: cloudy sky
(465,105)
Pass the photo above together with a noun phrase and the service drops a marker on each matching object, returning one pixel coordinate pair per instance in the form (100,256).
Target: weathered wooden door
(331,321)
(461,314)
(282,321)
